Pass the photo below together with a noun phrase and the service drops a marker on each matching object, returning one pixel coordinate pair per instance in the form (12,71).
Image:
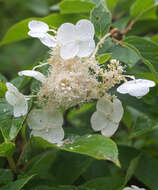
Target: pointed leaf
(101,18)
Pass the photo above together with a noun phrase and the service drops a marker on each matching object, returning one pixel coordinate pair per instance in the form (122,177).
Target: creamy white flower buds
(35,74)
(133,187)
(76,40)
(40,30)
(107,117)
(17,100)
(46,123)
(138,87)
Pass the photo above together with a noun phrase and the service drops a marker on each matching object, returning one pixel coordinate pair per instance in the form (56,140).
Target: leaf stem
(12,164)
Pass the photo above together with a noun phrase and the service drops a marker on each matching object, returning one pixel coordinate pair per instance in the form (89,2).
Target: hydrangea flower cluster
(74,77)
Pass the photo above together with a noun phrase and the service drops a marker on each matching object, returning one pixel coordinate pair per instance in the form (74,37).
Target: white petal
(123,88)
(12,88)
(66,33)
(69,51)
(53,135)
(110,129)
(144,82)
(98,121)
(137,88)
(44,118)
(105,106)
(136,188)
(48,40)
(85,30)
(12,97)
(36,34)
(35,74)
(139,92)
(21,108)
(38,26)
(127,188)
(17,100)
(117,110)
(86,48)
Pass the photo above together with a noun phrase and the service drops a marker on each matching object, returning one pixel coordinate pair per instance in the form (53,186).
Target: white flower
(40,30)
(138,87)
(133,187)
(17,100)
(35,74)
(47,124)
(107,117)
(76,40)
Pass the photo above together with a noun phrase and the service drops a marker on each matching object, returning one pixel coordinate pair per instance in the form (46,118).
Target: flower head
(107,117)
(35,74)
(133,187)
(46,123)
(138,87)
(17,100)
(40,30)
(76,40)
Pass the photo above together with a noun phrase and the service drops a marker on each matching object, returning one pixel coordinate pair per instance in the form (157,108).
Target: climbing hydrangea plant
(74,76)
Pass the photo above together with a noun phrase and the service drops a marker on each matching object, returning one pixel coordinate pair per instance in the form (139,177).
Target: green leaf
(98,168)
(126,155)
(61,187)
(101,18)
(6,176)
(16,185)
(142,125)
(111,4)
(37,6)
(147,171)
(69,167)
(79,118)
(75,6)
(9,125)
(105,183)
(3,78)
(19,31)
(121,23)
(96,146)
(140,7)
(125,55)
(140,27)
(7,149)
(103,58)
(3,89)
(146,49)
(41,164)
(131,169)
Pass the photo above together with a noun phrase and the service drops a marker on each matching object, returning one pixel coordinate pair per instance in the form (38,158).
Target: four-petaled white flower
(17,100)
(46,123)
(107,117)
(35,74)
(133,187)
(76,40)
(138,87)
(40,30)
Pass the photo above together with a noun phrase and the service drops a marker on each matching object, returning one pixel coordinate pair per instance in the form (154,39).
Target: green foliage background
(131,157)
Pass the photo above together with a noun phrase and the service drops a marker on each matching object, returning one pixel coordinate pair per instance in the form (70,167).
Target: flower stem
(103,39)
(41,65)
